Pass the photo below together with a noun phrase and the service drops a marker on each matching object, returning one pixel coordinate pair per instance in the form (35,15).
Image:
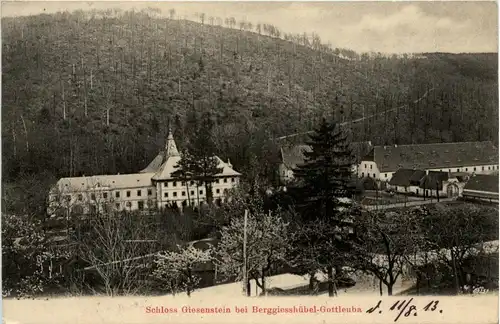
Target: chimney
(229,164)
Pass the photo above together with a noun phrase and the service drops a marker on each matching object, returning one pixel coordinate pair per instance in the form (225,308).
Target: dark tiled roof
(293,155)
(434,180)
(483,182)
(402,177)
(155,164)
(433,156)
(417,177)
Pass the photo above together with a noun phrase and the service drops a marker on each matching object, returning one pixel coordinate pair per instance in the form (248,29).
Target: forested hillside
(93,93)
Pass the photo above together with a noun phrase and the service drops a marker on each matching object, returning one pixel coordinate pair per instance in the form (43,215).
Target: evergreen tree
(324,178)
(325,205)
(201,162)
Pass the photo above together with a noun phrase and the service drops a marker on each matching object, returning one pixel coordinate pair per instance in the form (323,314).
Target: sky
(388,27)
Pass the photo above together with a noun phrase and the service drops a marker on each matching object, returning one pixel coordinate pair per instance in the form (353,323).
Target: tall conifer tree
(323,234)
(325,176)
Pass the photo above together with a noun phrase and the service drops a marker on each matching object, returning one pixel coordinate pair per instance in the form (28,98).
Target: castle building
(153,187)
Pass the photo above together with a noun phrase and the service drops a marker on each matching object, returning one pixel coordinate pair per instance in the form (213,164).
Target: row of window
(474,169)
(192,183)
(192,193)
(458,170)
(105,195)
(128,193)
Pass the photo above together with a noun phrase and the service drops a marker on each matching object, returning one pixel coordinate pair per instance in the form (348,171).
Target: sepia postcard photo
(249,161)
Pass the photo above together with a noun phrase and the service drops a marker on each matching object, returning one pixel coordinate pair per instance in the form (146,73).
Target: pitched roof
(434,180)
(169,150)
(432,156)
(417,177)
(483,182)
(165,163)
(116,181)
(293,155)
(402,177)
(170,166)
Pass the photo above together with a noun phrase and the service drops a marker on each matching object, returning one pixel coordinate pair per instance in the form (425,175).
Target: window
(466,169)
(458,170)
(362,174)
(128,193)
(474,168)
(182,184)
(417,192)
(92,196)
(191,183)
(165,194)
(374,175)
(183,193)
(385,175)
(129,204)
(449,170)
(365,166)
(139,193)
(140,204)
(371,166)
(105,195)
(217,191)
(201,192)
(489,168)
(165,184)
(192,192)
(225,180)
(232,179)
(117,205)
(482,168)
(117,194)
(175,193)
(80,197)
(368,175)
(174,184)
(150,192)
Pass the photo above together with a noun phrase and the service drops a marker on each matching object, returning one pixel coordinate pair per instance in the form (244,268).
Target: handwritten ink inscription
(405,308)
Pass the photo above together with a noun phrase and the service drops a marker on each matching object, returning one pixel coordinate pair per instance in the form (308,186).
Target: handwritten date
(406,308)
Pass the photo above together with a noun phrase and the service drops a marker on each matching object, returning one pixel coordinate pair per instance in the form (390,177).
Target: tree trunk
(263,280)
(248,287)
(188,286)
(312,280)
(389,288)
(380,287)
(455,272)
(330,282)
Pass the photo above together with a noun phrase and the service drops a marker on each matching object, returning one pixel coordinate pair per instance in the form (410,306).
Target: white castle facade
(153,187)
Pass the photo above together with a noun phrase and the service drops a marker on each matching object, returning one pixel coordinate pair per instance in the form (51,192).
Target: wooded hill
(93,93)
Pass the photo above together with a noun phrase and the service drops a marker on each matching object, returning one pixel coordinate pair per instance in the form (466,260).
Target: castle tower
(170,147)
